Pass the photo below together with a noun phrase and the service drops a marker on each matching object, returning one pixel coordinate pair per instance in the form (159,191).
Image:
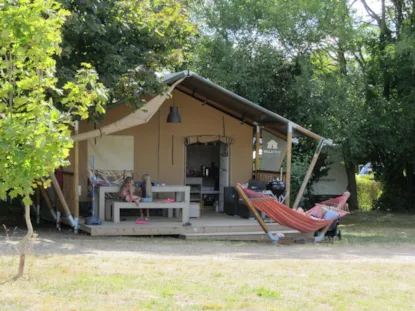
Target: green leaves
(34,135)
(85,94)
(128,43)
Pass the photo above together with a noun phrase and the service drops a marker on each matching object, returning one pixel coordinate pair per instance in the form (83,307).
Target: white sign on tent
(273,150)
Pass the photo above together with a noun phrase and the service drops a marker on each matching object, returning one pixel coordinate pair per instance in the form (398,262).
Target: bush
(368,192)
(397,198)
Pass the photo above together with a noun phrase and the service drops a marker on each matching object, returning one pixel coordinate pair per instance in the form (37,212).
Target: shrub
(368,192)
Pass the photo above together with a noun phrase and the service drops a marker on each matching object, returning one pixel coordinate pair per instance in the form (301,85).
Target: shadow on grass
(361,238)
(9,280)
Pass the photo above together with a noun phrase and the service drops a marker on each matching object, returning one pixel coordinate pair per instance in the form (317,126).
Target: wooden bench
(118,205)
(181,193)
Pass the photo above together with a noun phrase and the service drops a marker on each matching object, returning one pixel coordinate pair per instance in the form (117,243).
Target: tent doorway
(207,173)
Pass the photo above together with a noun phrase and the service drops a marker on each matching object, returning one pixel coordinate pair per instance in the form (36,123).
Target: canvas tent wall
(158,147)
(335,182)
(206,109)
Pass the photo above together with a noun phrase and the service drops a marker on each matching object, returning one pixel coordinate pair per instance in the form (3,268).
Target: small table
(102,208)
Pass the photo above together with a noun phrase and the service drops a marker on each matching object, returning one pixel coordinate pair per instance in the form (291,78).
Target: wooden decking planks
(207,223)
(238,236)
(130,228)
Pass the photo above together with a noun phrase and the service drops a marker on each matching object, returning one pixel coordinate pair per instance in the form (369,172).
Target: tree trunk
(25,241)
(351,179)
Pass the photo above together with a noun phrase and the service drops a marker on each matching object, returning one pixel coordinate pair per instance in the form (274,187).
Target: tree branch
(359,61)
(332,57)
(372,13)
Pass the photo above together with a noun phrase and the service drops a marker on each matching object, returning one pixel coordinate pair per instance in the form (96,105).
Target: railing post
(289,157)
(76,180)
(257,147)
(308,175)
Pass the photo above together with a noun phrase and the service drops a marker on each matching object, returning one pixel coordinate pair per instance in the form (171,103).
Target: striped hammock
(288,217)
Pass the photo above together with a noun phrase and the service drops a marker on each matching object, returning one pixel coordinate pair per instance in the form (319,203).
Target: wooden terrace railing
(268,175)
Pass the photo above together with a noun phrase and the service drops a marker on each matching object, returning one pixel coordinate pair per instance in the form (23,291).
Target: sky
(375,5)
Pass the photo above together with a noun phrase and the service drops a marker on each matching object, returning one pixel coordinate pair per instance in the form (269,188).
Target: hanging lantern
(174,116)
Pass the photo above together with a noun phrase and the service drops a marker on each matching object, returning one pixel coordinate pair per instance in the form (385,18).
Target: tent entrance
(207,173)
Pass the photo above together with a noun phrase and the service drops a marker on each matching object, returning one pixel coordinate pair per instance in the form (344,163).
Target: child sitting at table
(147,192)
(127,193)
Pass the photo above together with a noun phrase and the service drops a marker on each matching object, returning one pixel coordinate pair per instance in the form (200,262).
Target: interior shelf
(195,184)
(210,192)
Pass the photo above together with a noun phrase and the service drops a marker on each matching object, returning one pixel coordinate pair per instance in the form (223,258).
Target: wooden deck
(209,222)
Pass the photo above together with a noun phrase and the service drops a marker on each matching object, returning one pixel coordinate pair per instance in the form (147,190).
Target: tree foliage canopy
(127,42)
(347,77)
(34,134)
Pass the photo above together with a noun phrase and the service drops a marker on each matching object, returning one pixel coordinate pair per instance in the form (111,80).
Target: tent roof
(231,103)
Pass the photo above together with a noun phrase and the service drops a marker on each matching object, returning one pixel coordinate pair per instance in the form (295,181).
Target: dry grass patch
(371,269)
(76,282)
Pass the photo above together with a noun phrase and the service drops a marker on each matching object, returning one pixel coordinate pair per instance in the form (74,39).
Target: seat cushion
(331,215)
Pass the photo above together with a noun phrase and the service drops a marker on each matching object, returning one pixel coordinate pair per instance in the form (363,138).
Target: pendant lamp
(174,116)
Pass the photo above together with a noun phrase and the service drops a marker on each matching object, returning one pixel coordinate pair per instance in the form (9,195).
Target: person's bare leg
(136,200)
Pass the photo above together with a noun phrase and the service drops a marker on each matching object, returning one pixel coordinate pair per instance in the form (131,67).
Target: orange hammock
(288,217)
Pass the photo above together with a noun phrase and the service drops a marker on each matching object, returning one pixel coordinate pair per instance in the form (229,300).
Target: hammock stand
(288,217)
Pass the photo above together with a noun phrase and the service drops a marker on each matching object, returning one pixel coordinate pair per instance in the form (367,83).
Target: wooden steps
(290,236)
(210,226)
(173,228)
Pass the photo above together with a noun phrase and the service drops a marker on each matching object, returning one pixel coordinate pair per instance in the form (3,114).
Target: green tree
(128,43)
(389,69)
(259,50)
(34,134)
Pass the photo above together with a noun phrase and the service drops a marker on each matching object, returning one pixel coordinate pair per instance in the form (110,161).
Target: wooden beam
(276,133)
(38,196)
(37,206)
(47,200)
(288,169)
(228,111)
(138,117)
(215,105)
(257,147)
(281,160)
(46,197)
(76,177)
(252,209)
(307,132)
(62,199)
(309,172)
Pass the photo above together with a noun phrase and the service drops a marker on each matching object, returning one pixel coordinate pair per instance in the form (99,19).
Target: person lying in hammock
(319,214)
(300,210)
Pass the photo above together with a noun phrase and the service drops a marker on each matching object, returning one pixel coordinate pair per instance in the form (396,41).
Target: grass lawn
(371,269)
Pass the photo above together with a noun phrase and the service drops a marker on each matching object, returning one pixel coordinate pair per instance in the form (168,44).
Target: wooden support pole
(288,169)
(37,196)
(252,209)
(281,160)
(276,133)
(62,199)
(309,172)
(308,133)
(37,206)
(257,147)
(76,179)
(47,200)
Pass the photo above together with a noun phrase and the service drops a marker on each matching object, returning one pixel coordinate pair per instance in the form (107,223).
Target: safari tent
(208,151)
